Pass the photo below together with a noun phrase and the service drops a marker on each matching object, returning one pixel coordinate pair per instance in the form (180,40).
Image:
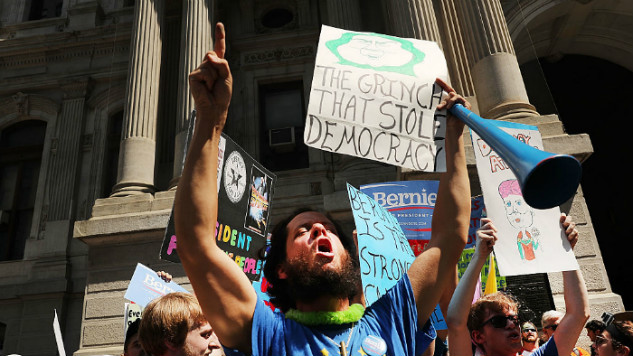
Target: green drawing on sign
(376,51)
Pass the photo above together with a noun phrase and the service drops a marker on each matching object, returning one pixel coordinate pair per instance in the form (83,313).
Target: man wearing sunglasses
(492,324)
(550,321)
(615,340)
(529,338)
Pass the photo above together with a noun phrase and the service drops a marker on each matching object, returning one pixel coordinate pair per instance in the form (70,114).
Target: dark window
(282,119)
(45,9)
(277,18)
(534,295)
(20,157)
(111,159)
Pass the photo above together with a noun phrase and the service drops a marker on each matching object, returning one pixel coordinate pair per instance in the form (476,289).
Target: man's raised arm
(431,271)
(223,290)
(576,299)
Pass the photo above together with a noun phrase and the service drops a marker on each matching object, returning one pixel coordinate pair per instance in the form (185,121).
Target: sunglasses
(500,321)
(528,330)
(553,327)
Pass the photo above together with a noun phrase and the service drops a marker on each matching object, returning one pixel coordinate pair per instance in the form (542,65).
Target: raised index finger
(447,88)
(219,45)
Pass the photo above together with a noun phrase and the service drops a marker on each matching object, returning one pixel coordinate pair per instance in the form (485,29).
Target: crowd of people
(314,273)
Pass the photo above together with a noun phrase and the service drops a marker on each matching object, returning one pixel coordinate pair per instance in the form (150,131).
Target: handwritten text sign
(384,251)
(531,240)
(133,312)
(385,254)
(146,285)
(373,96)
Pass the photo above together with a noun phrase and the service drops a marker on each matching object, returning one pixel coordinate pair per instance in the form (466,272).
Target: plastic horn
(546,179)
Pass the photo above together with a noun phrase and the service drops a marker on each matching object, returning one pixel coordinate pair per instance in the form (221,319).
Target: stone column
(412,19)
(66,151)
(196,39)
(344,14)
(495,70)
(138,139)
(454,50)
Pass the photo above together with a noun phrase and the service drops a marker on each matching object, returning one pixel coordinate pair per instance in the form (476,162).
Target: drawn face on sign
(377,52)
(519,213)
(374,51)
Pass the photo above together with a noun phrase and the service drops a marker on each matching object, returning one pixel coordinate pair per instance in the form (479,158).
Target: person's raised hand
(211,84)
(448,101)
(164,276)
(570,229)
(486,237)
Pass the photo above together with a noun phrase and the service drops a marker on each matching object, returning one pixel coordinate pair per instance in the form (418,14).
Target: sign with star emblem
(245,190)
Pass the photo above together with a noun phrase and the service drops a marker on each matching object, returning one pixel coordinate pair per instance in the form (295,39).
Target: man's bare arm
(576,300)
(431,271)
(459,307)
(223,290)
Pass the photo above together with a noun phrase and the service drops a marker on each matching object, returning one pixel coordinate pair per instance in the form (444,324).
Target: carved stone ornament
(21,101)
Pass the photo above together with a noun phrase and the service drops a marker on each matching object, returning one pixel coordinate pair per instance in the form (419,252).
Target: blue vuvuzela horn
(547,179)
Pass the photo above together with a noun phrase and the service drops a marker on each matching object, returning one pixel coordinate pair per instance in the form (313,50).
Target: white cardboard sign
(530,240)
(373,96)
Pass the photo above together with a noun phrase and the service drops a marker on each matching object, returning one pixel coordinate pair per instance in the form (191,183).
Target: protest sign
(384,252)
(146,285)
(412,204)
(477,211)
(245,190)
(374,96)
(530,240)
(465,259)
(132,313)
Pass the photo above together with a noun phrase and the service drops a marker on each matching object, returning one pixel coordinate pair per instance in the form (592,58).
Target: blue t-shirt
(388,327)
(547,349)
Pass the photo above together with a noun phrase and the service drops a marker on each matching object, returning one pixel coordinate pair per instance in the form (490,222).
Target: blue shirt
(547,349)
(388,327)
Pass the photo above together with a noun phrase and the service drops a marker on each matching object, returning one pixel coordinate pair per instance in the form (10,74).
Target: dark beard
(307,284)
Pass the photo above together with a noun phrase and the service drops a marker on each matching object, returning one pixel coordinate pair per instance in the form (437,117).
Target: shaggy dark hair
(595,325)
(131,331)
(278,289)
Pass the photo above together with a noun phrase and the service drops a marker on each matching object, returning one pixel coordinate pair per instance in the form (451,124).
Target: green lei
(351,315)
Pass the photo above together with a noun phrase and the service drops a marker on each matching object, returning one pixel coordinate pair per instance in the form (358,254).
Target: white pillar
(138,139)
(495,71)
(196,40)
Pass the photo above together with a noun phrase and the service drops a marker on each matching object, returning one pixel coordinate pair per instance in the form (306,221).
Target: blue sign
(384,252)
(146,286)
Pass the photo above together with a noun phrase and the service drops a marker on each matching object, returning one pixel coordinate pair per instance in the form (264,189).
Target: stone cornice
(63,45)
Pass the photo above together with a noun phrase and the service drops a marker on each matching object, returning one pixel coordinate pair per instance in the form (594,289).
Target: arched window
(21,147)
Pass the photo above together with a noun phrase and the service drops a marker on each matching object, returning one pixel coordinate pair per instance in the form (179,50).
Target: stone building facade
(94,107)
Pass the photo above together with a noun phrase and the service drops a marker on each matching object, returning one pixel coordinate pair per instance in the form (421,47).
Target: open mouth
(324,246)
(514,335)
